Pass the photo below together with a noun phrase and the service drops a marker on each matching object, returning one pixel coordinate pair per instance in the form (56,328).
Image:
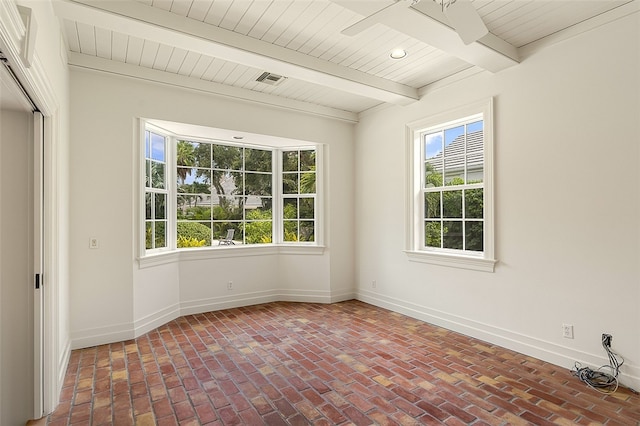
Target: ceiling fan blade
(374,18)
(464,18)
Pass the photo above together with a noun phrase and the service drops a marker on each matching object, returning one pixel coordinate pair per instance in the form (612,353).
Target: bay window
(210,192)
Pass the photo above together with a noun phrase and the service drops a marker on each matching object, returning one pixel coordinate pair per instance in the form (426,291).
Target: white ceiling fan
(461,14)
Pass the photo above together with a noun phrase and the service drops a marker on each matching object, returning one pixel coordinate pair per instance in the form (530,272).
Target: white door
(38,263)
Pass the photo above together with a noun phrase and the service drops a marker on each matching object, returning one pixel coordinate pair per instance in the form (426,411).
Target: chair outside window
(228,240)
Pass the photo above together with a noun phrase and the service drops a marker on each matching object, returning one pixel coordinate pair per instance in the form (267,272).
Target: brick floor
(346,363)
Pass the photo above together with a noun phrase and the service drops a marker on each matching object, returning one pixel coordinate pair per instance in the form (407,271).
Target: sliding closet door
(20,255)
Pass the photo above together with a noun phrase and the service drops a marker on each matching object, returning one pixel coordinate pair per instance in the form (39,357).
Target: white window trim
(483,262)
(149,258)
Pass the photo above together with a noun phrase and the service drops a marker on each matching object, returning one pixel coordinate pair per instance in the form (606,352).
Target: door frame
(31,73)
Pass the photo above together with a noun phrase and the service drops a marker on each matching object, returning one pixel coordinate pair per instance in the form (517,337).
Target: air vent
(271,79)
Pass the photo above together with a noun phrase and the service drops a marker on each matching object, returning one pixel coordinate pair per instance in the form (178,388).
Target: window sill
(452,260)
(172,256)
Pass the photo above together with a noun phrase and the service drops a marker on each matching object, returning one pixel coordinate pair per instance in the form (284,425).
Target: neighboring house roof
(454,154)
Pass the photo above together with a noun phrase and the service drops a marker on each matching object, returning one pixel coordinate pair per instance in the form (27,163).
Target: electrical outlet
(93,243)
(230,285)
(606,340)
(567,331)
(374,284)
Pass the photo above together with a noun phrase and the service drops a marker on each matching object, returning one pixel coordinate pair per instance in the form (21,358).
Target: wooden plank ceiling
(223,46)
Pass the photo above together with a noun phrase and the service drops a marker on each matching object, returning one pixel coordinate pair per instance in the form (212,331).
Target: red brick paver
(346,363)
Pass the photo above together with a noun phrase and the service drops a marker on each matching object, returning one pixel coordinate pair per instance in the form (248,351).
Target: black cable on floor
(605,378)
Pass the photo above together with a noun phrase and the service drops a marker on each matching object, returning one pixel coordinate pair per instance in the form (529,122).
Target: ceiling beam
(426,22)
(136,19)
(94,63)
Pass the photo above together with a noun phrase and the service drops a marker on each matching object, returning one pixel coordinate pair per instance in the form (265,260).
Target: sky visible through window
(433,141)
(155,147)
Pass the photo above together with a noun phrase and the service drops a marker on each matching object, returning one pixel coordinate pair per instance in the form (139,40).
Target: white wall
(111,298)
(16,306)
(567,194)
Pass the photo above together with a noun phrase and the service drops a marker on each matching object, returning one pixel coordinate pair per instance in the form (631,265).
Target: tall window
(451,204)
(453,169)
(155,190)
(211,193)
(299,194)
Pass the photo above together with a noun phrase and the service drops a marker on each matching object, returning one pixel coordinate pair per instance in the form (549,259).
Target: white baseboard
(101,335)
(63,364)
(110,334)
(156,319)
(247,299)
(52,400)
(537,348)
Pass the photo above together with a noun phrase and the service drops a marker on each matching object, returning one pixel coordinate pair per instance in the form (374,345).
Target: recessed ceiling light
(398,54)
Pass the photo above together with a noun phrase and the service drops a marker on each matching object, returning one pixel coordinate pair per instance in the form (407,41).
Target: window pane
(454,141)
(193,181)
(148,235)
(147,144)
(227,183)
(157,174)
(147,173)
(452,204)
(290,230)
(290,161)
(257,184)
(306,230)
(475,126)
(432,205)
(161,206)
(193,207)
(259,232)
(221,229)
(228,208)
(257,160)
(157,147)
(454,170)
(202,154)
(147,203)
(258,208)
(473,203)
(289,183)
(227,157)
(452,235)
(475,152)
(161,234)
(307,208)
(308,183)
(433,173)
(234,183)
(433,145)
(185,154)
(307,160)
(182,174)
(432,234)
(193,234)
(474,236)
(433,155)
(290,209)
